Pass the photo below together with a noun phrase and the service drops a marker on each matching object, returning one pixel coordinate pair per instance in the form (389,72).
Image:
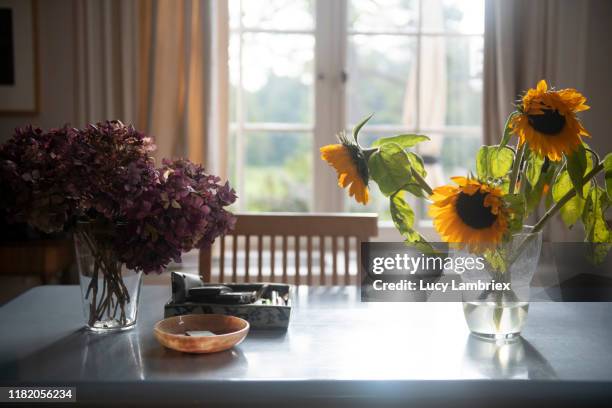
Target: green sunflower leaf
(417,163)
(405,141)
(549,178)
(597,252)
(572,210)
(589,157)
(607,162)
(482,162)
(541,190)
(403,219)
(593,217)
(576,167)
(516,203)
(533,195)
(505,185)
(492,162)
(401,213)
(501,162)
(416,190)
(358,127)
(507,131)
(390,168)
(534,168)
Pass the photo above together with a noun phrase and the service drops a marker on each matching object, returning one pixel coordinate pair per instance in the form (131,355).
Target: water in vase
(495,320)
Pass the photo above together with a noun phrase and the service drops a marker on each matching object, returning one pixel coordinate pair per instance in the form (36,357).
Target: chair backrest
(309,235)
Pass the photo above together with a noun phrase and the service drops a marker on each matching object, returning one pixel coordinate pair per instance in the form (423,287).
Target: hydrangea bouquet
(101,182)
(550,165)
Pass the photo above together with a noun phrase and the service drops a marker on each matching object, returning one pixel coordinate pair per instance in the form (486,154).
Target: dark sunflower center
(551,122)
(472,211)
(360,162)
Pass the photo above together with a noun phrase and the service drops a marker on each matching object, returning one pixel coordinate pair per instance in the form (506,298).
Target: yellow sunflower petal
(339,157)
(548,121)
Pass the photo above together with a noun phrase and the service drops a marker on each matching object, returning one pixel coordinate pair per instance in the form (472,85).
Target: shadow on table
(81,355)
(166,363)
(505,360)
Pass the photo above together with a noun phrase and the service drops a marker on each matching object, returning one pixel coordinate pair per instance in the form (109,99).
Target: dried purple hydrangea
(185,211)
(105,175)
(111,167)
(32,173)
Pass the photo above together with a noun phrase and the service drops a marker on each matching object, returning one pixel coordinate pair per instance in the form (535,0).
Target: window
(302,70)
(272,103)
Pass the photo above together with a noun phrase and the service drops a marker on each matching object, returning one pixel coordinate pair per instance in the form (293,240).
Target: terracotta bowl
(229,331)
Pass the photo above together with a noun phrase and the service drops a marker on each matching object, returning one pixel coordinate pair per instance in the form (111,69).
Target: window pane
(458,155)
(277,77)
(463,16)
(234,13)
(278,14)
(451,82)
(381,79)
(383,15)
(277,172)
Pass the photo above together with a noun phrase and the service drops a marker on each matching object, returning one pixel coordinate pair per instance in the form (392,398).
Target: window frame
(331,36)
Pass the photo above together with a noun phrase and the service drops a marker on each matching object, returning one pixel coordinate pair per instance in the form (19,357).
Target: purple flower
(185,211)
(105,174)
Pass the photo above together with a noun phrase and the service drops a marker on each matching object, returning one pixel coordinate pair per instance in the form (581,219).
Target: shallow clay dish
(229,331)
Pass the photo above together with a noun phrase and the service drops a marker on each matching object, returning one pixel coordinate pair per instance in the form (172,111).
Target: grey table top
(335,348)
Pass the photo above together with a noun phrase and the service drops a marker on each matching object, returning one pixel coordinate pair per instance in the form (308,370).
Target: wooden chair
(296,229)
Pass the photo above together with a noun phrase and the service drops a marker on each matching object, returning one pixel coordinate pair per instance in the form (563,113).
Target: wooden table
(337,351)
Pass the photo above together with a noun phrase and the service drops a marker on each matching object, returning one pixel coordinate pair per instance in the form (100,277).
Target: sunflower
(547,121)
(471,213)
(350,164)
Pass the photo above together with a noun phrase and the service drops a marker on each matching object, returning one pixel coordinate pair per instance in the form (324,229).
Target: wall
(56,69)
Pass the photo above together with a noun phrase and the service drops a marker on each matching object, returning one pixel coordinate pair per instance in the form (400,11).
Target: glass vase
(501,314)
(109,290)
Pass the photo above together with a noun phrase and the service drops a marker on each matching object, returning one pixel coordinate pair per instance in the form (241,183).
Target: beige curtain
(105,36)
(526,41)
(162,65)
(433,84)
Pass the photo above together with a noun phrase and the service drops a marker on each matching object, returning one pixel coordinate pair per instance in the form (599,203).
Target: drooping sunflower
(471,213)
(350,163)
(547,121)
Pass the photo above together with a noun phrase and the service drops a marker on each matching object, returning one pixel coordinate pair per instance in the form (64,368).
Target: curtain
(161,65)
(432,98)
(526,41)
(105,63)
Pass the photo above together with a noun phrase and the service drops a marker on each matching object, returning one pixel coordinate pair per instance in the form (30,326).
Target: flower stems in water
(114,295)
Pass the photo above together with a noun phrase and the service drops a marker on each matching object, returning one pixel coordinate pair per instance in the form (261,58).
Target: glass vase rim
(526,231)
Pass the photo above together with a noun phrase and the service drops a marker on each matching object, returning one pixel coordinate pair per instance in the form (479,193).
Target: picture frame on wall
(18,57)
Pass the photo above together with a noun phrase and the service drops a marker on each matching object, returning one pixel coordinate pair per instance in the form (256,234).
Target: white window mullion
(240,114)
(330,46)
